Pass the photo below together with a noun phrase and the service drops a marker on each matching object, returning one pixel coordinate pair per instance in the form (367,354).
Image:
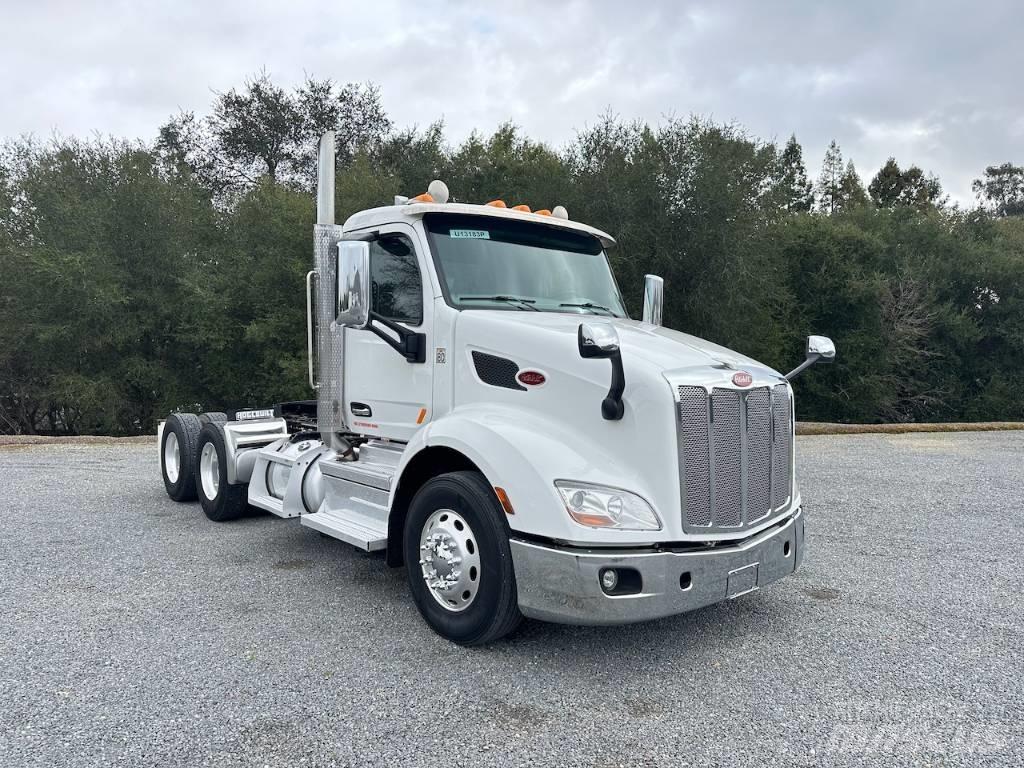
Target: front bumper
(562,585)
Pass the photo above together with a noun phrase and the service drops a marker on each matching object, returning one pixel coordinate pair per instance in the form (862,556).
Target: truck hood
(662,348)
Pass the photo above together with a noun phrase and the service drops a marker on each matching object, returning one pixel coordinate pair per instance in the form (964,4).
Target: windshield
(490,263)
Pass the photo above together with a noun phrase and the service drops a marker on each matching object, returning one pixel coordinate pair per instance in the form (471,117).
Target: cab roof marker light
(523,208)
(424,198)
(559,212)
(543,212)
(438,190)
(497,204)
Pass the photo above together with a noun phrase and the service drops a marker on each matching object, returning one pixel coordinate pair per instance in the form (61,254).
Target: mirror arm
(811,360)
(612,407)
(409,344)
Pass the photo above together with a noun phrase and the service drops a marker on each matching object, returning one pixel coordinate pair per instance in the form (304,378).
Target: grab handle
(309,327)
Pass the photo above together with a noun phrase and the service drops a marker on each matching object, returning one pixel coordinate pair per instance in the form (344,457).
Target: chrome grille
(759,454)
(725,448)
(782,429)
(694,461)
(734,455)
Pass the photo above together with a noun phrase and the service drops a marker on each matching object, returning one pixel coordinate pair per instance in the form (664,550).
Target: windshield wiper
(520,302)
(590,305)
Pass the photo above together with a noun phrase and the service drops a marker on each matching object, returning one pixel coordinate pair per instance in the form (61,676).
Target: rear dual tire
(220,500)
(178,453)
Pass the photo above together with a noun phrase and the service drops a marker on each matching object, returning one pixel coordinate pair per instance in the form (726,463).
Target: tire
(216,416)
(220,501)
(177,455)
(442,505)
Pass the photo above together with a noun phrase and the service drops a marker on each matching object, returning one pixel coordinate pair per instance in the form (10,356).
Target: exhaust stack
(325,180)
(654,299)
(327,339)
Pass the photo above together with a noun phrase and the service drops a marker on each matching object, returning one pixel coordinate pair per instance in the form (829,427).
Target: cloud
(931,83)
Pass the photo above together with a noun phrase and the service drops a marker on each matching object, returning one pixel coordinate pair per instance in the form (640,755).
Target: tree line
(144,276)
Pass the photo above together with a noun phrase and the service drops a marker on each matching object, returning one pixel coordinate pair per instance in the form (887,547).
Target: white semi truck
(488,414)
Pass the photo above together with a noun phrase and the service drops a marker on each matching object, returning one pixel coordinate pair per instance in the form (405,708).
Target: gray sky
(933,83)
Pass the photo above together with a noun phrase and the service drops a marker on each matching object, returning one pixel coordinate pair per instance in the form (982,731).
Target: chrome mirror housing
(821,346)
(819,349)
(654,299)
(353,283)
(597,340)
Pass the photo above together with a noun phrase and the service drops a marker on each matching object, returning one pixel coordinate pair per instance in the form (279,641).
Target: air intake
(497,371)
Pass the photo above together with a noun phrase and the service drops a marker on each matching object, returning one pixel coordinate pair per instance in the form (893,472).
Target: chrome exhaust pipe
(325,180)
(654,299)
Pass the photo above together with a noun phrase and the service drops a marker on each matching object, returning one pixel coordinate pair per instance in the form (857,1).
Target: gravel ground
(134,631)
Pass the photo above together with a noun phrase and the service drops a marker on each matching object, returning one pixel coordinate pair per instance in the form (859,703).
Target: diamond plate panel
(759,454)
(694,458)
(727,457)
(329,335)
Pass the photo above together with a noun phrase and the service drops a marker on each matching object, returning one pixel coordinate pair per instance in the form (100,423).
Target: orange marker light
(523,208)
(503,498)
(497,204)
(424,198)
(543,212)
(422,416)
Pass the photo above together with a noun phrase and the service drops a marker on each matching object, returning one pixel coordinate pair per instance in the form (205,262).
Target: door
(385,394)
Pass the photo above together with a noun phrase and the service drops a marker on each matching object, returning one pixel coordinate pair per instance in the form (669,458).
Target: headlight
(597,506)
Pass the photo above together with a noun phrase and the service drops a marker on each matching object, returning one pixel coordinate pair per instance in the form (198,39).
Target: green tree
(264,130)
(138,279)
(97,242)
(887,185)
(797,190)
(851,189)
(830,193)
(1001,189)
(892,186)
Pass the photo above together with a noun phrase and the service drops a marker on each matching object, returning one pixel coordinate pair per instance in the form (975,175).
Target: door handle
(360,409)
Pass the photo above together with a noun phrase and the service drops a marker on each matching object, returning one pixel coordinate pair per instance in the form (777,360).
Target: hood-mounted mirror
(601,340)
(819,349)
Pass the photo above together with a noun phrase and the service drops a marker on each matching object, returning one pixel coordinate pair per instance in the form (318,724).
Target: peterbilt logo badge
(742,379)
(531,378)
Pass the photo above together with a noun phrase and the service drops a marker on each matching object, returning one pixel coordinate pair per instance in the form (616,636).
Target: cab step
(358,530)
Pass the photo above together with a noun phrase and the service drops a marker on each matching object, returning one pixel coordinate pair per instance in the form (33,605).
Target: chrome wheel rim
(450,560)
(209,471)
(172,457)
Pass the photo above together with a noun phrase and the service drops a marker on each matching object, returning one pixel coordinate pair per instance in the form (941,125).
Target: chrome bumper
(562,585)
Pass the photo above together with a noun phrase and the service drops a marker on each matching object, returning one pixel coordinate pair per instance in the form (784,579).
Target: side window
(396,289)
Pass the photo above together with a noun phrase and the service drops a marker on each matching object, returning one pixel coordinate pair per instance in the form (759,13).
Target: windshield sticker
(470,234)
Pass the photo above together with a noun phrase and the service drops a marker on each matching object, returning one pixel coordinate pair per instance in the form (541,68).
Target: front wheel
(459,561)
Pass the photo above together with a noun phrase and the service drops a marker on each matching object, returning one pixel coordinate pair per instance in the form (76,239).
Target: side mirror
(601,340)
(353,283)
(597,340)
(654,299)
(819,348)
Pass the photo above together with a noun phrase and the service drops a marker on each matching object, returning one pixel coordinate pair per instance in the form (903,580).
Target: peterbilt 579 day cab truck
(488,414)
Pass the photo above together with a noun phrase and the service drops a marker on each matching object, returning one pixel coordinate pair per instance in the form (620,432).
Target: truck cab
(489,415)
